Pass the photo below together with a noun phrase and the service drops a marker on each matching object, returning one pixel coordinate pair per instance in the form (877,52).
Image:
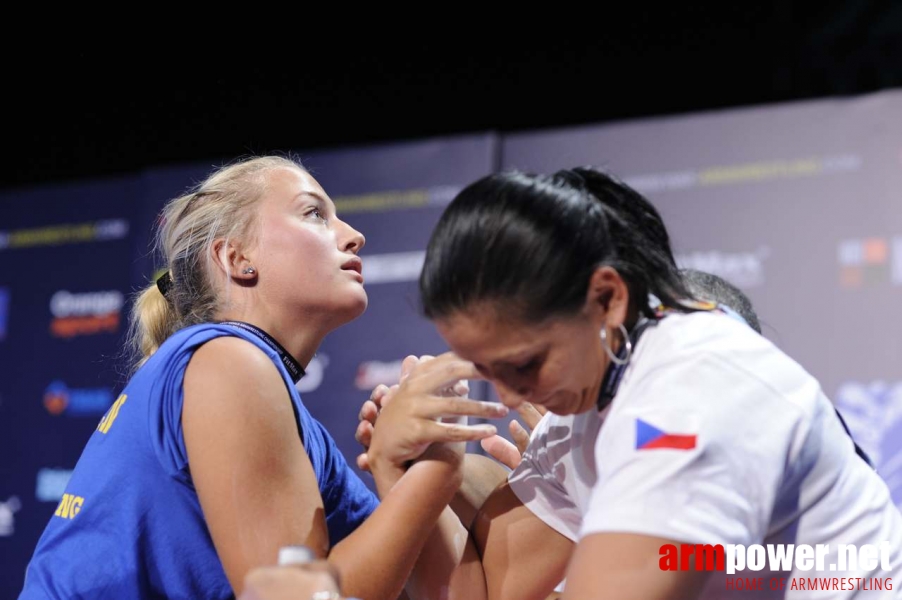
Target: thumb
(502,450)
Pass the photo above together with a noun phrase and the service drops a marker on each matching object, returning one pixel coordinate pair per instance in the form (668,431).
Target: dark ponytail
(530,243)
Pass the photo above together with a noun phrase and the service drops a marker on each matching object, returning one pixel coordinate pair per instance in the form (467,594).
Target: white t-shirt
(714,437)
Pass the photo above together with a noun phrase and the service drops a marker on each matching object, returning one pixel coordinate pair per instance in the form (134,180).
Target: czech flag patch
(649,437)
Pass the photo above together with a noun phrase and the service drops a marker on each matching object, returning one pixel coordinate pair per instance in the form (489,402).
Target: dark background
(87,106)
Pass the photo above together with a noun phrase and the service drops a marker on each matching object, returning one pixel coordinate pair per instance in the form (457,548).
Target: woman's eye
(317,213)
(527,367)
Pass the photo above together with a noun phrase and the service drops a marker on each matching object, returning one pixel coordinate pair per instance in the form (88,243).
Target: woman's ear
(607,298)
(232,261)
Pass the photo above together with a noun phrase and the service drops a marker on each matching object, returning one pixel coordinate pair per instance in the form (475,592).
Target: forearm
(481,477)
(449,568)
(522,557)
(377,559)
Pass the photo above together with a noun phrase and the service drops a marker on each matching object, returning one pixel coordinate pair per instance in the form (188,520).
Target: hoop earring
(628,346)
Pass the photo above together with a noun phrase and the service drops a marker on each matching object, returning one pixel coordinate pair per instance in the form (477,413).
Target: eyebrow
(320,199)
(313,195)
(516,357)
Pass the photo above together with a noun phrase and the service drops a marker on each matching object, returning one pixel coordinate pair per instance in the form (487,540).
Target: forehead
(285,183)
(486,335)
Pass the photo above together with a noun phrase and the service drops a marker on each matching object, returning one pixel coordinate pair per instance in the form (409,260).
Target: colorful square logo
(865,261)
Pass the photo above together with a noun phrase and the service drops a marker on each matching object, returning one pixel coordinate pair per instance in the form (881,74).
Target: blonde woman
(209,462)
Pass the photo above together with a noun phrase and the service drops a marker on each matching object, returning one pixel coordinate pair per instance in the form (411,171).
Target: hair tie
(164,284)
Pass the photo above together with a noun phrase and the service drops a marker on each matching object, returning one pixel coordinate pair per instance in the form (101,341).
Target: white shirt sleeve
(693,451)
(535,483)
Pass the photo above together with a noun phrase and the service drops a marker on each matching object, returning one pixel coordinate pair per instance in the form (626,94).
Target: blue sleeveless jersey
(130,524)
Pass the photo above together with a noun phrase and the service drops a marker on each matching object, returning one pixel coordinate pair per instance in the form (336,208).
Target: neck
(298,335)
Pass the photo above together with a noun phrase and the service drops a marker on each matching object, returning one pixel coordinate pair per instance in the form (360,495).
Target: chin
(566,403)
(355,306)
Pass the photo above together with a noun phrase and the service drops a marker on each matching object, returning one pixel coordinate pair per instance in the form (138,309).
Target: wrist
(438,475)
(386,474)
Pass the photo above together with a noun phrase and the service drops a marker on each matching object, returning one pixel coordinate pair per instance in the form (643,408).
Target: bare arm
(625,566)
(445,562)
(523,558)
(255,483)
(448,567)
(481,477)
(416,426)
(390,540)
(258,490)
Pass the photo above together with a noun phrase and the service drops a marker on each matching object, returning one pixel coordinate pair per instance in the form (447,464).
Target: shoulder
(703,331)
(232,371)
(728,347)
(236,352)
(235,394)
(709,375)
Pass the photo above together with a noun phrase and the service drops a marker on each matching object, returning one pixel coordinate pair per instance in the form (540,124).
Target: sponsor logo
(313,374)
(870,261)
(745,173)
(86,313)
(438,196)
(52,484)
(67,233)
(394,267)
(742,269)
(372,373)
(8,511)
(59,399)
